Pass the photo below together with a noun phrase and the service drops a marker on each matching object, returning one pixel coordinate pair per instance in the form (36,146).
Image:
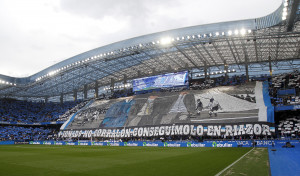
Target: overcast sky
(35,34)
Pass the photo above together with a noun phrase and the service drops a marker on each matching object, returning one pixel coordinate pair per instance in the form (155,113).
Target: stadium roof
(275,37)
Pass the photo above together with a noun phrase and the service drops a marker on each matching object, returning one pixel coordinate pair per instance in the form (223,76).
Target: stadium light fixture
(223,33)
(217,33)
(243,31)
(236,32)
(182,38)
(249,31)
(229,33)
(285,9)
(285,4)
(284,13)
(166,40)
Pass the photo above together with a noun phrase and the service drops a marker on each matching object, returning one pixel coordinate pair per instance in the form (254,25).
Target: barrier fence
(238,143)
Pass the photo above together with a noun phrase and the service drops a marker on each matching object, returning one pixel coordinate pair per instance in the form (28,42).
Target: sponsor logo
(132,144)
(47,143)
(145,144)
(58,143)
(98,143)
(83,143)
(171,145)
(215,144)
(114,144)
(197,145)
(264,143)
(243,143)
(70,143)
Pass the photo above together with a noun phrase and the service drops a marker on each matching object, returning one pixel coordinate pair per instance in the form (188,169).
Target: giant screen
(160,81)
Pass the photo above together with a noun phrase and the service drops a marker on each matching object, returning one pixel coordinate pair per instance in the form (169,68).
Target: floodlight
(166,40)
(285,4)
(284,14)
(229,32)
(283,18)
(223,33)
(236,32)
(243,31)
(249,31)
(217,34)
(285,9)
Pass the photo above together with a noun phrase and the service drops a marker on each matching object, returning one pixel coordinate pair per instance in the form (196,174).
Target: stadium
(213,99)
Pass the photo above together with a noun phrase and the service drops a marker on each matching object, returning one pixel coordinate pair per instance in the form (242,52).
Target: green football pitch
(141,161)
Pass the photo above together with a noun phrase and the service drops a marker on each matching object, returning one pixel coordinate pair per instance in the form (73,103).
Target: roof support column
(46,99)
(85,92)
(270,66)
(226,72)
(61,98)
(75,95)
(247,72)
(125,79)
(112,84)
(139,73)
(205,71)
(96,90)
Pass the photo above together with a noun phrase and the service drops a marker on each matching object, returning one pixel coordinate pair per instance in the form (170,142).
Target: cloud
(35,34)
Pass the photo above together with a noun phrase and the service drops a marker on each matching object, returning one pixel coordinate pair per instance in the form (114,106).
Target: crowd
(32,112)
(284,89)
(26,133)
(219,81)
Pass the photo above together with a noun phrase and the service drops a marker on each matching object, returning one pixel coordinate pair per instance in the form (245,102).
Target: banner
(259,129)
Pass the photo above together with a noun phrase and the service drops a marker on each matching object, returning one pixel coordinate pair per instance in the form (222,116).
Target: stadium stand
(26,133)
(27,112)
(284,89)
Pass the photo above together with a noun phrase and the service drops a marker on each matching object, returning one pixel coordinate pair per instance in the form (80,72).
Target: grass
(255,163)
(95,160)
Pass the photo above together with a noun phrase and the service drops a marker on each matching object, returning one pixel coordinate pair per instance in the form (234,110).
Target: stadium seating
(25,133)
(28,112)
(284,89)
(289,127)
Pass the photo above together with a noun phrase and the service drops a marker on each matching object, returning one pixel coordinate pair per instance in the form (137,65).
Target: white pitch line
(225,119)
(233,163)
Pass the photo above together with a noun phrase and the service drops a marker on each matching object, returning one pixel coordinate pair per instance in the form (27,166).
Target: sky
(35,34)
